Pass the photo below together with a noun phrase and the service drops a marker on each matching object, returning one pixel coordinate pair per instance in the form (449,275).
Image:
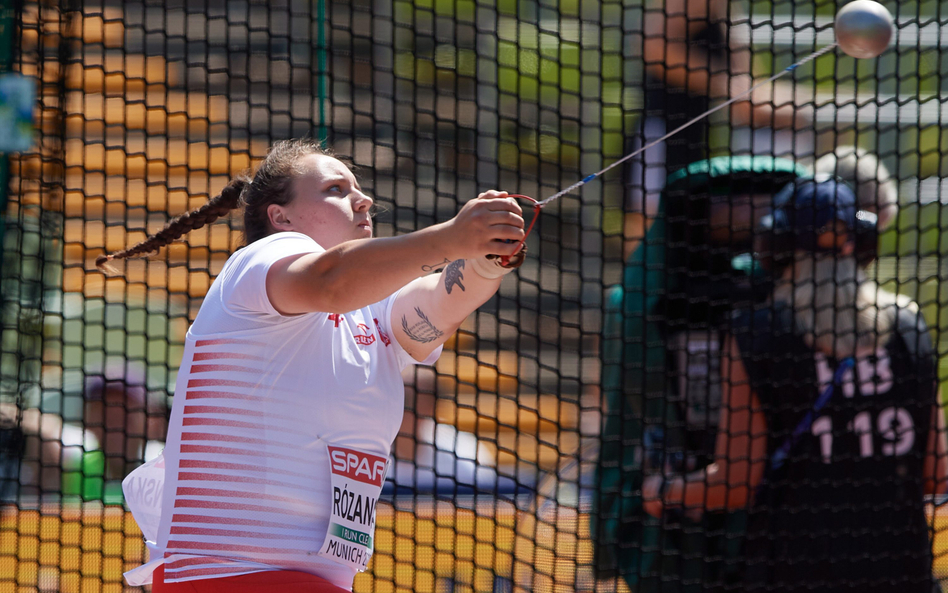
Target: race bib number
(356,479)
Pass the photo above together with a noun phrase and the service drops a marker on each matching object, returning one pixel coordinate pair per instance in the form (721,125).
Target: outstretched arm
(740,452)
(429,310)
(334,281)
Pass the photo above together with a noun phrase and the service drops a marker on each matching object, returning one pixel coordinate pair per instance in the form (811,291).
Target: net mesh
(539,422)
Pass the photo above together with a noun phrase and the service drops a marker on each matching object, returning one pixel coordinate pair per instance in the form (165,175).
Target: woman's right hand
(491,224)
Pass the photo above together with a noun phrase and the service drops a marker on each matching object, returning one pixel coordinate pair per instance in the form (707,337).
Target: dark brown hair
(271,184)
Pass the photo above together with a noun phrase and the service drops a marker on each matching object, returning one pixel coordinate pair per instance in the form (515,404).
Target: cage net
(527,450)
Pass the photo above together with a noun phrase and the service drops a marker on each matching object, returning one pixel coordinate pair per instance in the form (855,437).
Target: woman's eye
(335,188)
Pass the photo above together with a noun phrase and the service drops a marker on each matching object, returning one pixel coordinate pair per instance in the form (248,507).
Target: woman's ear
(278,218)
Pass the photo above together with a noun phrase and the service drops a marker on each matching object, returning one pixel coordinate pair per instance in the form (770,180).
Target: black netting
(599,368)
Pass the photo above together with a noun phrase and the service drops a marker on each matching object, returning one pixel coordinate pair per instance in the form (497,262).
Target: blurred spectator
(693,60)
(124,417)
(831,431)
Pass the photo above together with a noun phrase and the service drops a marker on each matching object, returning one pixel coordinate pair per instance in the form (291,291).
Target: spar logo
(359,466)
(366,338)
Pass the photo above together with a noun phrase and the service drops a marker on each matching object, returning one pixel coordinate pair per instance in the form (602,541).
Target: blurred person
(876,189)
(831,431)
(120,424)
(35,448)
(692,60)
(125,419)
(662,346)
(290,391)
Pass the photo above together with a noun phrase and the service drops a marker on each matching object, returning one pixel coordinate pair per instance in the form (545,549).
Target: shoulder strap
(783,451)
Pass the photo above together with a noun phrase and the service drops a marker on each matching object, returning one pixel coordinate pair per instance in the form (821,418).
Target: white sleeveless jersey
(259,399)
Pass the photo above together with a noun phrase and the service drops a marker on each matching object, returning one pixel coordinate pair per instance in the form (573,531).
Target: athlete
(831,431)
(290,394)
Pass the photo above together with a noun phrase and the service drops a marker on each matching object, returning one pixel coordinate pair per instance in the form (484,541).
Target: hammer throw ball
(863,28)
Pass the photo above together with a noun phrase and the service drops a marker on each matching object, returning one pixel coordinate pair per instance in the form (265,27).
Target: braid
(216,207)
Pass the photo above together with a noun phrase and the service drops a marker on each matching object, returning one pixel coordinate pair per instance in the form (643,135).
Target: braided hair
(271,184)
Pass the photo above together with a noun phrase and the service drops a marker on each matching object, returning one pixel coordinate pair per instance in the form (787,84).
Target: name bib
(356,479)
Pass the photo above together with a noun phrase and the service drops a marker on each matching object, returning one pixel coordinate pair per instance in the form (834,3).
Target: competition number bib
(357,479)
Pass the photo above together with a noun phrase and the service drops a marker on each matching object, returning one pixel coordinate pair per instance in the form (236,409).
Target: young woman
(290,394)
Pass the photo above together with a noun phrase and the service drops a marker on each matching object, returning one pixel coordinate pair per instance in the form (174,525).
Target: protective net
(595,376)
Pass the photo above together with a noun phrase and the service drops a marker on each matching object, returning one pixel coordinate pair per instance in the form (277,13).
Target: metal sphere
(863,28)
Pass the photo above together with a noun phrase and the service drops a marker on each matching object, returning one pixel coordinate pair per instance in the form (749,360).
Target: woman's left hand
(652,495)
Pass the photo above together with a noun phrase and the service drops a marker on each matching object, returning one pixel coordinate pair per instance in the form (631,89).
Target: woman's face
(328,203)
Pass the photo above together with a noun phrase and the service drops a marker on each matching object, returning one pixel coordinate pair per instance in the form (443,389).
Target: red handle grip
(505,259)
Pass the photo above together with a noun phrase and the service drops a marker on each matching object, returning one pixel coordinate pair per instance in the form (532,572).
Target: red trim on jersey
(254,426)
(223,368)
(198,476)
(197,585)
(199,409)
(211,504)
(199,560)
(284,581)
(251,426)
(224,394)
(221,383)
(229,451)
(210,436)
(225,571)
(182,530)
(232,547)
(187,491)
(221,422)
(225,355)
(218,342)
(178,518)
(203,464)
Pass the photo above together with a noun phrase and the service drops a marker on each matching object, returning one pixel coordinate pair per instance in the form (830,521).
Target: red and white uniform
(260,402)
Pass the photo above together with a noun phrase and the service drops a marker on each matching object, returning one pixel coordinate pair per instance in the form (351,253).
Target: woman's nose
(362,201)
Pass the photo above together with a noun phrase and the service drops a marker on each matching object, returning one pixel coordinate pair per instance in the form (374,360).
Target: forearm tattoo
(422,331)
(435,267)
(453,276)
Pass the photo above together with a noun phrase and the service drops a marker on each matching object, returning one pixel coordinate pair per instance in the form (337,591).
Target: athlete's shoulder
(911,327)
(282,240)
(271,248)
